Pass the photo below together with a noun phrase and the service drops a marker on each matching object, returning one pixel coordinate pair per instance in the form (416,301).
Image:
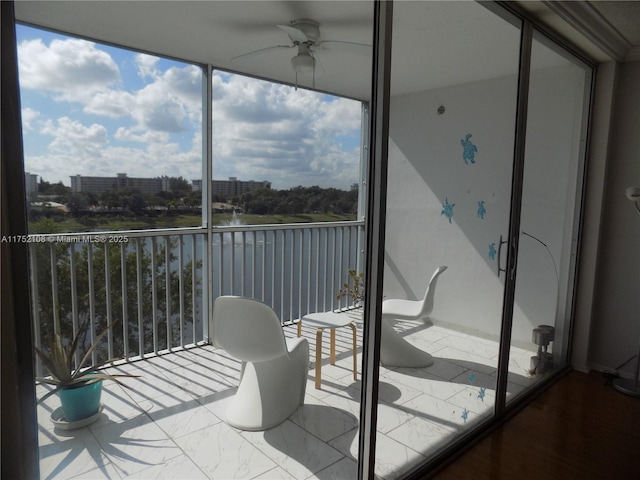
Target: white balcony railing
(154,283)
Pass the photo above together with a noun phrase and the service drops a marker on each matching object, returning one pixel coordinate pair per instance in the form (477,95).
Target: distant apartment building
(30,182)
(233,186)
(196,185)
(151,186)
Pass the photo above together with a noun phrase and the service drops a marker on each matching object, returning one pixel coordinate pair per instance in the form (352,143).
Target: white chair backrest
(427,302)
(247,329)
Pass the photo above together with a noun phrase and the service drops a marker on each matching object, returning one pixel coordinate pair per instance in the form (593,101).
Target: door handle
(500,269)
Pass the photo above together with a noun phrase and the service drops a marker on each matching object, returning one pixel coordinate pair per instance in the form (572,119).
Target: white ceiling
(451,35)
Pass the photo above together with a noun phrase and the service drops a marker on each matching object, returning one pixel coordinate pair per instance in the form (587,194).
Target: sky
(97,110)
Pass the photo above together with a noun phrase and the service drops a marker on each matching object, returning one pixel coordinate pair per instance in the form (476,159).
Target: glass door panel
(454,83)
(555,139)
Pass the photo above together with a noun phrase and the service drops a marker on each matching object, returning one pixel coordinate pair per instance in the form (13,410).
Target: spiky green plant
(355,289)
(59,362)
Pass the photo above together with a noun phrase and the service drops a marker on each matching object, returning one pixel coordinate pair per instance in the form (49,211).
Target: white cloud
(147,65)
(266,131)
(29,116)
(262,130)
(74,69)
(73,137)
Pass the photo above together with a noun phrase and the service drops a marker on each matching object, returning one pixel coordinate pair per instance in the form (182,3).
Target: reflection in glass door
(454,83)
(555,140)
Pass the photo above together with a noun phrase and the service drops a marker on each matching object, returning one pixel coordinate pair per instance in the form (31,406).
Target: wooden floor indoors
(580,428)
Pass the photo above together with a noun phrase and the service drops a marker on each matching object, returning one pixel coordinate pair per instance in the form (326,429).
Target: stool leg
(318,357)
(333,346)
(355,360)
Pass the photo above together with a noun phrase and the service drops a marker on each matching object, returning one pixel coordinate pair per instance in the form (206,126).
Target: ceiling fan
(305,36)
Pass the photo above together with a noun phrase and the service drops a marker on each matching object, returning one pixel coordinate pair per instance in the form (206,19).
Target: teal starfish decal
(482,393)
(472,378)
(465,415)
(447,209)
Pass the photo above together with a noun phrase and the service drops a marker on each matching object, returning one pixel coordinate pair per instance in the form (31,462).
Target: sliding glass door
(454,89)
(555,142)
(487,132)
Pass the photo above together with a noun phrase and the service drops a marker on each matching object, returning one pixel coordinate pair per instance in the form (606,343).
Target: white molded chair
(395,351)
(274,370)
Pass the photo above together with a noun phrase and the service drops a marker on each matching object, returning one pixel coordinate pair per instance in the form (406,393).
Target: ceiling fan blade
(350,47)
(294,33)
(262,50)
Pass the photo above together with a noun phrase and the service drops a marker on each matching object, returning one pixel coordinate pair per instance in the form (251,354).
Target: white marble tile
(433,333)
(436,327)
(293,449)
(440,412)
(217,403)
(341,470)
(47,407)
(329,386)
(422,435)
(180,467)
(187,393)
(391,416)
(104,472)
(476,399)
(117,406)
(198,380)
(276,473)
(151,383)
(169,361)
(222,452)
(179,413)
(324,421)
(443,367)
(423,382)
(68,453)
(220,362)
(476,346)
(392,457)
(133,445)
(476,379)
(466,360)
(397,387)
(347,400)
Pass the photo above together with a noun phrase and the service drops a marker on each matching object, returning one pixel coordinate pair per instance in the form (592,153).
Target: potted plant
(79,388)
(354,288)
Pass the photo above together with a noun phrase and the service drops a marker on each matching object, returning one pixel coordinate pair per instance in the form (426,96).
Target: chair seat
(404,309)
(395,351)
(273,377)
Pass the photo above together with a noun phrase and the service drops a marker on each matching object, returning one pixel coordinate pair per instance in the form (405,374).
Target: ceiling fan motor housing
(309,28)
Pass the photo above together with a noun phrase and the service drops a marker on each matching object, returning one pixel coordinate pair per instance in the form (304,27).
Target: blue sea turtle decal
(468,150)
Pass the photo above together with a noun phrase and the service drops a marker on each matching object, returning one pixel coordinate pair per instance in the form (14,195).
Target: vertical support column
(207,170)
(375,234)
(154,295)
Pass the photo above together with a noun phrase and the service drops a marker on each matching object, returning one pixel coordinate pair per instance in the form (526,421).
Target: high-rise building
(233,186)
(151,186)
(30,182)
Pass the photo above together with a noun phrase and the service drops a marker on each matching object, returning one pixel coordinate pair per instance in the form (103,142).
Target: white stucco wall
(426,169)
(615,328)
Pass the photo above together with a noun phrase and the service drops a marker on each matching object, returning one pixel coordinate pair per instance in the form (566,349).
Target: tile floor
(168,425)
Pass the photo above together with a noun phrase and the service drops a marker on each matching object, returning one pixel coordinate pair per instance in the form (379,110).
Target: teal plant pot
(81,402)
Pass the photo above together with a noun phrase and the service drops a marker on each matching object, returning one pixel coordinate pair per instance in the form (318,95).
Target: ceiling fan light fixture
(303,63)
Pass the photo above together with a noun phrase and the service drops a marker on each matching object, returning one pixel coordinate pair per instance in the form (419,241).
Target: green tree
(128,295)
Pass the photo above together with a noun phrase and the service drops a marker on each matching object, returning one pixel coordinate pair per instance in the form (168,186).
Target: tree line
(297,200)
